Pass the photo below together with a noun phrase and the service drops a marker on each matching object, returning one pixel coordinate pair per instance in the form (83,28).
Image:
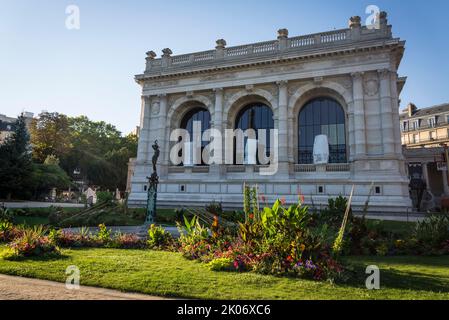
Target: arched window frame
(316,120)
(187,124)
(265,118)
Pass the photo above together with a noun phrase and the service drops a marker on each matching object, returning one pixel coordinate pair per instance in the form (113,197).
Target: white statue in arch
(251,151)
(321,150)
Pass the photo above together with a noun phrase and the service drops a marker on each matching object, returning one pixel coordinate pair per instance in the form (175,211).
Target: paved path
(35,204)
(18,288)
(138,230)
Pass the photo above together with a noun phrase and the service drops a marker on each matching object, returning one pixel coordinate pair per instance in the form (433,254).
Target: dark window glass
(255,116)
(197,114)
(322,116)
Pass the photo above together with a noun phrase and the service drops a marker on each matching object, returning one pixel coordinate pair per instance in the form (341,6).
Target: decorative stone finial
(221,44)
(166,52)
(383,17)
(283,33)
(151,54)
(355,22)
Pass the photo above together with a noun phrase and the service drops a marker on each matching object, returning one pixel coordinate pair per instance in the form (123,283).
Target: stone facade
(424,134)
(357,67)
(7,124)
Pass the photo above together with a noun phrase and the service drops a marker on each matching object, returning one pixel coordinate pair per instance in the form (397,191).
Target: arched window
(197,114)
(322,116)
(256,116)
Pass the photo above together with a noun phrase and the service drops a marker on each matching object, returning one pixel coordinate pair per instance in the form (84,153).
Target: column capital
(282,83)
(218,90)
(384,73)
(357,75)
(162,95)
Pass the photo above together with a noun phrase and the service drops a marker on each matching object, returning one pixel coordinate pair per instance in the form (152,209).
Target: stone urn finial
(221,44)
(383,17)
(167,52)
(283,33)
(355,22)
(151,54)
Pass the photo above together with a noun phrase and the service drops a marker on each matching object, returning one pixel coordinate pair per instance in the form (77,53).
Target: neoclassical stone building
(342,83)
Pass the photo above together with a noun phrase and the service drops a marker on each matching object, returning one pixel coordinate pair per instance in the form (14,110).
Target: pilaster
(359,115)
(388,139)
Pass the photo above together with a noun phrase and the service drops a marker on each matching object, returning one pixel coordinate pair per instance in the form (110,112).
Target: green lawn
(31,221)
(169,274)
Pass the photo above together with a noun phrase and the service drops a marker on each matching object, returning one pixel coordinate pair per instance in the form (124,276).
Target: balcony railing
(283,45)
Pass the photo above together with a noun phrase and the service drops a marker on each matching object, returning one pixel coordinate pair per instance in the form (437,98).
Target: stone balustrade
(282,46)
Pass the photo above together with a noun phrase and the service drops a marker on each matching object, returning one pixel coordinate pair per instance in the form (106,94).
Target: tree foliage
(15,162)
(95,148)
(50,135)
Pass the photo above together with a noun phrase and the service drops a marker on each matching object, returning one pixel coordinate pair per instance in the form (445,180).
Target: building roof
(425,112)
(7,126)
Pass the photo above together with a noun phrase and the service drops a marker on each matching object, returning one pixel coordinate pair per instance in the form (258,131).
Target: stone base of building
(387,196)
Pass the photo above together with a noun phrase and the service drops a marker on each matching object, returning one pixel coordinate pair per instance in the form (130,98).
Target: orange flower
(251,216)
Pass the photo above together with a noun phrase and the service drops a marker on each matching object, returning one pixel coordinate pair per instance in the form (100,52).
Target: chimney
(411,109)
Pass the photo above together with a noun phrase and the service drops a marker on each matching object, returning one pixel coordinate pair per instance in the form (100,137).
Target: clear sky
(45,66)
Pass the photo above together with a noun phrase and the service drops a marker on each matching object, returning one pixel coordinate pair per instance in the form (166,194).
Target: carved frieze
(218,76)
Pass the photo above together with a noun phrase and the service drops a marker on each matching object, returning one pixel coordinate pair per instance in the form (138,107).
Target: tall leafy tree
(15,162)
(50,135)
(100,152)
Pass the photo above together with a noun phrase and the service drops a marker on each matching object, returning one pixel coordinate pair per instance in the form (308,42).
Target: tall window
(256,116)
(322,116)
(197,114)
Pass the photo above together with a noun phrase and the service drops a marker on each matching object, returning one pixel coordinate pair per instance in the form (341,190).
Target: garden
(279,251)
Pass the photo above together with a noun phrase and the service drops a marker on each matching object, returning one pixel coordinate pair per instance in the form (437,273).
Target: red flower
(283,200)
(251,216)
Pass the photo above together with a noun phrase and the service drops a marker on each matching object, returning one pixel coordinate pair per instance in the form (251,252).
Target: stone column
(426,175)
(359,115)
(144,132)
(445,184)
(163,135)
(351,137)
(395,110)
(283,121)
(388,140)
(217,122)
(292,148)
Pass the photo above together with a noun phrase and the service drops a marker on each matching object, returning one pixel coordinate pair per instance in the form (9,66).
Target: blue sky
(90,71)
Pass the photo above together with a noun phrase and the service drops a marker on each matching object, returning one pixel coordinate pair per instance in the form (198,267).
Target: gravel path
(18,288)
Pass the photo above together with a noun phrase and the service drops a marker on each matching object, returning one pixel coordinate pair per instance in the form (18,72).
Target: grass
(169,274)
(31,221)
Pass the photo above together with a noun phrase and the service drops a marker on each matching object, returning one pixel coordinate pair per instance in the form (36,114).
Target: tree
(100,152)
(15,162)
(46,177)
(50,135)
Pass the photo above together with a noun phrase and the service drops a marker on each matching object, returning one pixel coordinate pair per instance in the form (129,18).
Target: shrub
(75,240)
(127,241)
(158,237)
(105,196)
(215,208)
(104,234)
(432,233)
(32,242)
(8,232)
(6,214)
(221,264)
